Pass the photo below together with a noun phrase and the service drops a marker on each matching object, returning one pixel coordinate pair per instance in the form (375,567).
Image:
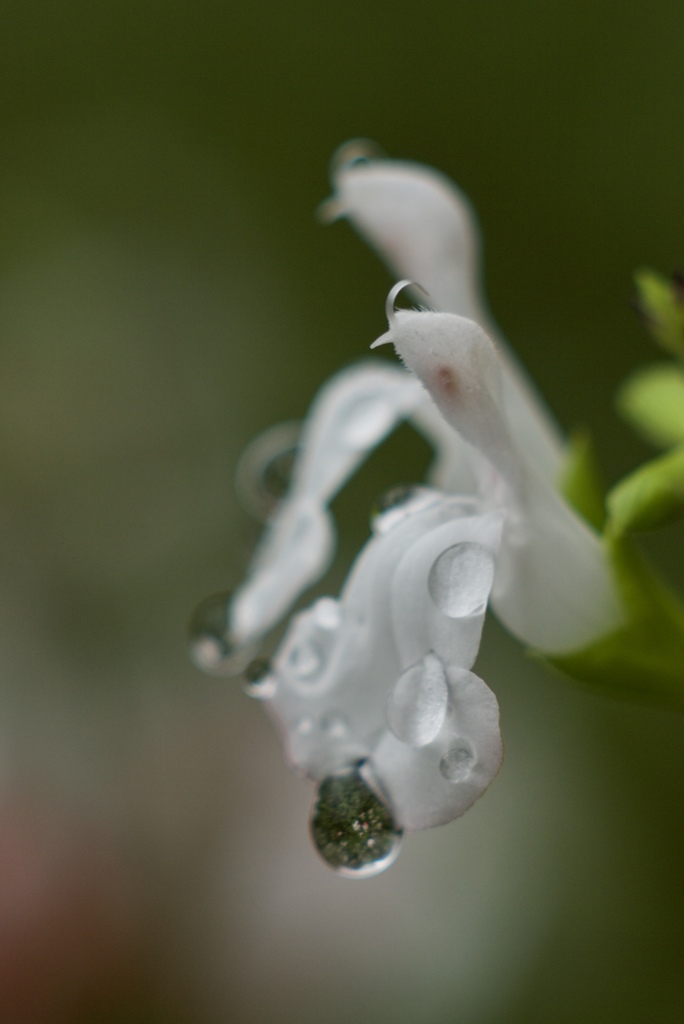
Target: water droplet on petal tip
(209,644)
(260,681)
(352,828)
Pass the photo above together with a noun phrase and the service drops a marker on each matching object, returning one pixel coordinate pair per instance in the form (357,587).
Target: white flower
(372,693)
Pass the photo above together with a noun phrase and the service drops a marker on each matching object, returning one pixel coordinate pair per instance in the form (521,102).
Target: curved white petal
(424,229)
(382,675)
(350,416)
(553,587)
(440,781)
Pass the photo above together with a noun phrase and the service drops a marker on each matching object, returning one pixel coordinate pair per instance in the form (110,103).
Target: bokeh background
(165,293)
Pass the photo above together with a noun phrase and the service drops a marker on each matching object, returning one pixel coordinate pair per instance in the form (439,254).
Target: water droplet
(461,578)
(305,660)
(352,828)
(327,613)
(417,705)
(265,469)
(397,503)
(209,642)
(305,726)
(457,763)
(334,726)
(260,680)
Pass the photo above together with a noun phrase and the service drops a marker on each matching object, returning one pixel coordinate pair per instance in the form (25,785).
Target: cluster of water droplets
(375,734)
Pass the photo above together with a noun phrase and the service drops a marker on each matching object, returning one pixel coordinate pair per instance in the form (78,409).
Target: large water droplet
(352,828)
(461,578)
(457,763)
(260,681)
(209,642)
(397,503)
(417,705)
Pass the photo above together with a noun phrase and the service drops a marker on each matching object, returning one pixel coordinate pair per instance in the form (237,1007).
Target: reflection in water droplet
(209,643)
(417,705)
(259,679)
(327,613)
(398,503)
(457,763)
(305,660)
(461,578)
(334,726)
(352,828)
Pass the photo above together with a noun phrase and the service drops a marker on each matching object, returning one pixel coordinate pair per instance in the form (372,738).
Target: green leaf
(653,402)
(651,496)
(645,659)
(661,303)
(581,483)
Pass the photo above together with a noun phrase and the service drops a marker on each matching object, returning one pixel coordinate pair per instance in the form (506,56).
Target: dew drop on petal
(394,505)
(265,469)
(461,578)
(417,705)
(260,682)
(209,643)
(305,660)
(352,829)
(457,763)
(334,726)
(304,726)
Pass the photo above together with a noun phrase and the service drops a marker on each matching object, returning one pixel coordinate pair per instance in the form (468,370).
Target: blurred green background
(165,293)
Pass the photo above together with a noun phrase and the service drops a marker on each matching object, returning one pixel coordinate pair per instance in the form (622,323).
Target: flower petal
(437,782)
(336,673)
(350,416)
(424,229)
(553,587)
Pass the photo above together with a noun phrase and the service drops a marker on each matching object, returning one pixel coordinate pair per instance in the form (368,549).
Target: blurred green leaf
(653,402)
(651,496)
(661,301)
(644,659)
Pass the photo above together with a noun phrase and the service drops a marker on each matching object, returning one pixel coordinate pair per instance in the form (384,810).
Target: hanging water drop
(352,828)
(461,578)
(417,705)
(260,681)
(457,763)
(209,643)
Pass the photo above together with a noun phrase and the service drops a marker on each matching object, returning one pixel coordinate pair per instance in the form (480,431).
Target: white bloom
(373,693)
